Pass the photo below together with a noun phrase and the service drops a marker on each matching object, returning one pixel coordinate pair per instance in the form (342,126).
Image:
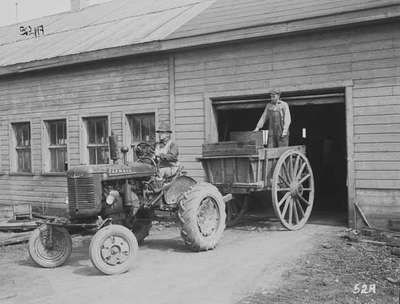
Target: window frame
(46,146)
(14,165)
(84,138)
(127,133)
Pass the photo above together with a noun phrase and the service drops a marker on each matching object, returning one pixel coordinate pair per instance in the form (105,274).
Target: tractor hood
(136,169)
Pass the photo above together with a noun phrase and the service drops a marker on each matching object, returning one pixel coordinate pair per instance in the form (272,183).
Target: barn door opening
(319,123)
(322,129)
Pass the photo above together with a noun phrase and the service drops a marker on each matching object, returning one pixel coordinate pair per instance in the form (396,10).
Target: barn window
(22,132)
(142,127)
(97,139)
(57,145)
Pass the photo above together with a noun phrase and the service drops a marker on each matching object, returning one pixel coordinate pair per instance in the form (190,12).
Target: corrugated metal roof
(121,23)
(226,15)
(112,24)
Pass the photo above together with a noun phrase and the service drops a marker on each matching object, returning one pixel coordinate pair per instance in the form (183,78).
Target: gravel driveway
(247,260)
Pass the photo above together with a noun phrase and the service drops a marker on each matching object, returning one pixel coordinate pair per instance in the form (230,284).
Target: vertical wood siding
(108,88)
(368,55)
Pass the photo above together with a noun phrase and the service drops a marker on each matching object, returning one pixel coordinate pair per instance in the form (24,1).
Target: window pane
(142,127)
(57,137)
(53,133)
(20,161)
(27,161)
(61,132)
(152,129)
(98,155)
(135,129)
(102,155)
(91,129)
(92,156)
(58,158)
(22,134)
(23,151)
(26,135)
(24,160)
(101,131)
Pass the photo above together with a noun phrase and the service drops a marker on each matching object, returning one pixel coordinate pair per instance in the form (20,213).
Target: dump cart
(242,168)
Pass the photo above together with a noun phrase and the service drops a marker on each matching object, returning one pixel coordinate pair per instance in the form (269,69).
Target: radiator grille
(81,194)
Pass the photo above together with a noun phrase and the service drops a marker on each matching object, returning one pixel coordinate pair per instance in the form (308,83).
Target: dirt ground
(254,263)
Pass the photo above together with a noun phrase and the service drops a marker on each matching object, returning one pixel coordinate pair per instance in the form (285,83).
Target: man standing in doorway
(277,114)
(167,152)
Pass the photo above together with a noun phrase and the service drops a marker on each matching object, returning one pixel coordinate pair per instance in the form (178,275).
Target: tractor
(116,202)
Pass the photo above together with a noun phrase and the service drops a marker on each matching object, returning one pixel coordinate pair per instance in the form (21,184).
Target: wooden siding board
(377,101)
(91,90)
(377,156)
(377,119)
(377,184)
(377,110)
(377,138)
(377,129)
(377,147)
(297,61)
(377,165)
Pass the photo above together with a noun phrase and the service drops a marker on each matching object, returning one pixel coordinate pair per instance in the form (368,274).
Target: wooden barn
(205,67)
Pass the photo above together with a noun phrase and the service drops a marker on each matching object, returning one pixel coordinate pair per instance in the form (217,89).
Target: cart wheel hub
(296,189)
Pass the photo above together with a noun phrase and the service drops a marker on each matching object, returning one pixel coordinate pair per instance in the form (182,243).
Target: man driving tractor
(167,152)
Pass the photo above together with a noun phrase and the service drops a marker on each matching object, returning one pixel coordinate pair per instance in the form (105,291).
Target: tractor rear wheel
(202,217)
(50,248)
(113,249)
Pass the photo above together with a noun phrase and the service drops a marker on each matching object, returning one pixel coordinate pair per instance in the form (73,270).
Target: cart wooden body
(244,168)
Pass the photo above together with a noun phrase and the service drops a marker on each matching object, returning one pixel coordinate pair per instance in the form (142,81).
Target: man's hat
(163,127)
(275,91)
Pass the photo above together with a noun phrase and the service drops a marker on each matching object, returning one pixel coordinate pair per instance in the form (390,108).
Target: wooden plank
(374,156)
(378,184)
(378,175)
(377,147)
(377,165)
(377,119)
(377,129)
(377,138)
(351,186)
(382,110)
(248,136)
(171,89)
(376,101)
(274,153)
(228,149)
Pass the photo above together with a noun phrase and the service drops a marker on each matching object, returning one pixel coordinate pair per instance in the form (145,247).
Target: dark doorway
(321,127)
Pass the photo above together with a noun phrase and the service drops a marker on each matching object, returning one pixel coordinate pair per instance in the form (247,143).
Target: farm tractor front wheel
(113,249)
(202,217)
(50,246)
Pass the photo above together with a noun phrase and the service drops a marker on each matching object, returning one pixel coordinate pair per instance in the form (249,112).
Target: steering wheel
(144,149)
(145,154)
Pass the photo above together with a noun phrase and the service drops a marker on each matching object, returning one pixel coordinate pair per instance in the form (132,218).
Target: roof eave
(110,53)
(280,29)
(270,30)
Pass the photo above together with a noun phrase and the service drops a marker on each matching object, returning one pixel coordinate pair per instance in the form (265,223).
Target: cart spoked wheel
(235,209)
(113,249)
(293,189)
(50,246)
